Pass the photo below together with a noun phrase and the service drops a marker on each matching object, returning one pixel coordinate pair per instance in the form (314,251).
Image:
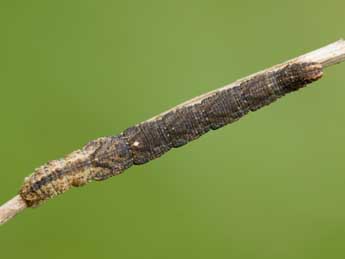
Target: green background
(269,186)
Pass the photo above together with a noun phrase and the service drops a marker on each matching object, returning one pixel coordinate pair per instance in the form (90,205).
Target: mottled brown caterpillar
(109,156)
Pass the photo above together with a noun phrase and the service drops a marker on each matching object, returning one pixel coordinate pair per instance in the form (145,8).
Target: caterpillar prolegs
(109,156)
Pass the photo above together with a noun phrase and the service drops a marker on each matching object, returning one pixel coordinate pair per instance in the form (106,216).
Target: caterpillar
(109,156)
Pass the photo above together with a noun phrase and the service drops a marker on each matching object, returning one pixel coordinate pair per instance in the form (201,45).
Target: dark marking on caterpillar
(147,141)
(109,156)
(185,124)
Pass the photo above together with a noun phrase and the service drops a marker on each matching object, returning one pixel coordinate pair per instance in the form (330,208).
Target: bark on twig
(11,208)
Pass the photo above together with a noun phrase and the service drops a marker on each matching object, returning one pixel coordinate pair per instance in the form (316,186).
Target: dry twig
(109,156)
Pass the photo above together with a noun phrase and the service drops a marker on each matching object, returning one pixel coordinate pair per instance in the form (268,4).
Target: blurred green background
(269,186)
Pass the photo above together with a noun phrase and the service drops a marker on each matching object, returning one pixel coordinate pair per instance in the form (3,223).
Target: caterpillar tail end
(313,72)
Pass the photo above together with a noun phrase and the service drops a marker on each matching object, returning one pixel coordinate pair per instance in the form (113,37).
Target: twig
(96,160)
(11,208)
